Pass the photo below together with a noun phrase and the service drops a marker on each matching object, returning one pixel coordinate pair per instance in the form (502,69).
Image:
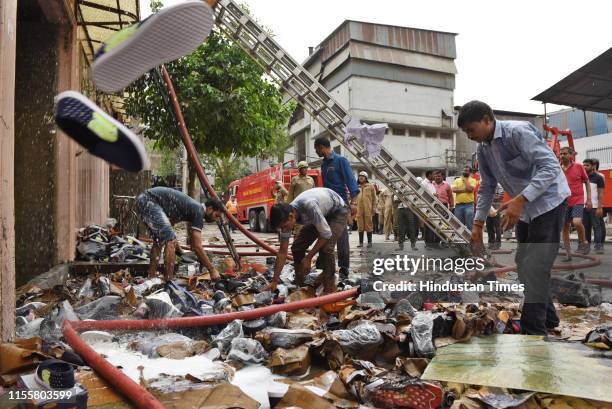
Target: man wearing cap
(366,201)
(160,208)
(301,182)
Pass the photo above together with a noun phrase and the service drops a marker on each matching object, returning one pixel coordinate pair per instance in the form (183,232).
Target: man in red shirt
(444,192)
(576,178)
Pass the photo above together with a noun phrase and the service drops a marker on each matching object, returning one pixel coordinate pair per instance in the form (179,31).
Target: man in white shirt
(430,237)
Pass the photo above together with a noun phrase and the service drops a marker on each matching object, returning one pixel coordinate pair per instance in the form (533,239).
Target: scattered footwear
(360,245)
(584,248)
(100,134)
(165,36)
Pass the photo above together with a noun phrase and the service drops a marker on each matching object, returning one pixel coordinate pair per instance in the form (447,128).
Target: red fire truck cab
(254,193)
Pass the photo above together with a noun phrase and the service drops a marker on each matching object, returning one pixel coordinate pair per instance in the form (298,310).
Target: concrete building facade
(387,74)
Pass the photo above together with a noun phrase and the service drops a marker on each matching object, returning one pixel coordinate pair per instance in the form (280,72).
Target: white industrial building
(386,74)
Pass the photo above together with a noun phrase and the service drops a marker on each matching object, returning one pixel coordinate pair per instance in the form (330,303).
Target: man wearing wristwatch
(322,214)
(514,154)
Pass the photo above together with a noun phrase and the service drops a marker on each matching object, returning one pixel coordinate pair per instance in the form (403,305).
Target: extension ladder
(315,99)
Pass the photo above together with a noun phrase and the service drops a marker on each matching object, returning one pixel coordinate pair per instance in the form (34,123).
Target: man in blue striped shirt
(338,176)
(514,154)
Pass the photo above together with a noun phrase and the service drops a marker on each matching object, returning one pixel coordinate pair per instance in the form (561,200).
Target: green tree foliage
(227,169)
(231,108)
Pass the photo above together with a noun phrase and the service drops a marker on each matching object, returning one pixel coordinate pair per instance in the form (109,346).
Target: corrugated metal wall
(597,122)
(92,190)
(423,41)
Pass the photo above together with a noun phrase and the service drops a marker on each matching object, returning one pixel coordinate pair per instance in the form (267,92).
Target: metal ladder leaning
(315,99)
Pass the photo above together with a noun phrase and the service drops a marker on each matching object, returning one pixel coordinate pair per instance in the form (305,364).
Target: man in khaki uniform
(300,183)
(386,212)
(366,201)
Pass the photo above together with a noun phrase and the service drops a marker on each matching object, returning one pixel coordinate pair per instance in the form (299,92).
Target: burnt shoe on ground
(164,36)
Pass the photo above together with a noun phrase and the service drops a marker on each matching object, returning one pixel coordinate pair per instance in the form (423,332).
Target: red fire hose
(133,391)
(195,161)
(141,397)
(141,325)
(593,261)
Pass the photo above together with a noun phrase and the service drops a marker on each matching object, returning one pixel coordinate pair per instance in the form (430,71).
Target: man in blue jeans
(338,176)
(514,154)
(160,208)
(464,188)
(592,219)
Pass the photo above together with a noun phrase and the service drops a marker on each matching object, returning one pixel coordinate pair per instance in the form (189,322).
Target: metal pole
(586,127)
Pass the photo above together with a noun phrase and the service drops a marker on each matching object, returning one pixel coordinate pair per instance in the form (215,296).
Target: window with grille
(414,132)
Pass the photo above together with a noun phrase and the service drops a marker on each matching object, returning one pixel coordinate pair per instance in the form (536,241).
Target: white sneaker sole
(169,34)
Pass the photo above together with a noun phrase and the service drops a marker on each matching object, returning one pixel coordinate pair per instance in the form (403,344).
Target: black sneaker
(164,36)
(101,135)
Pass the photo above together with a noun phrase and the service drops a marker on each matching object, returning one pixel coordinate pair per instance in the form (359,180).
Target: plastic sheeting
(525,362)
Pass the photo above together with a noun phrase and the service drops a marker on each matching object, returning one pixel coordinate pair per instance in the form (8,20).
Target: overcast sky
(507,51)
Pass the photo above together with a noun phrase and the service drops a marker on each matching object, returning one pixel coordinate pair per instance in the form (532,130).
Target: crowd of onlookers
(585,212)
(376,210)
(389,216)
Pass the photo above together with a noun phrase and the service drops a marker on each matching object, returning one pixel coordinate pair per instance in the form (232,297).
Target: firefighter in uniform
(300,183)
(386,213)
(366,201)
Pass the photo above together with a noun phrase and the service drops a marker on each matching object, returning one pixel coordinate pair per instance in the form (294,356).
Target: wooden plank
(65,206)
(8,34)
(59,11)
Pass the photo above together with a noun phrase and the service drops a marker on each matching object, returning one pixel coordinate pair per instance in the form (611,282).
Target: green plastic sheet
(525,362)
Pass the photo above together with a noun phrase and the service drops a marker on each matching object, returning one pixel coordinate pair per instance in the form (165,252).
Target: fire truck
(254,193)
